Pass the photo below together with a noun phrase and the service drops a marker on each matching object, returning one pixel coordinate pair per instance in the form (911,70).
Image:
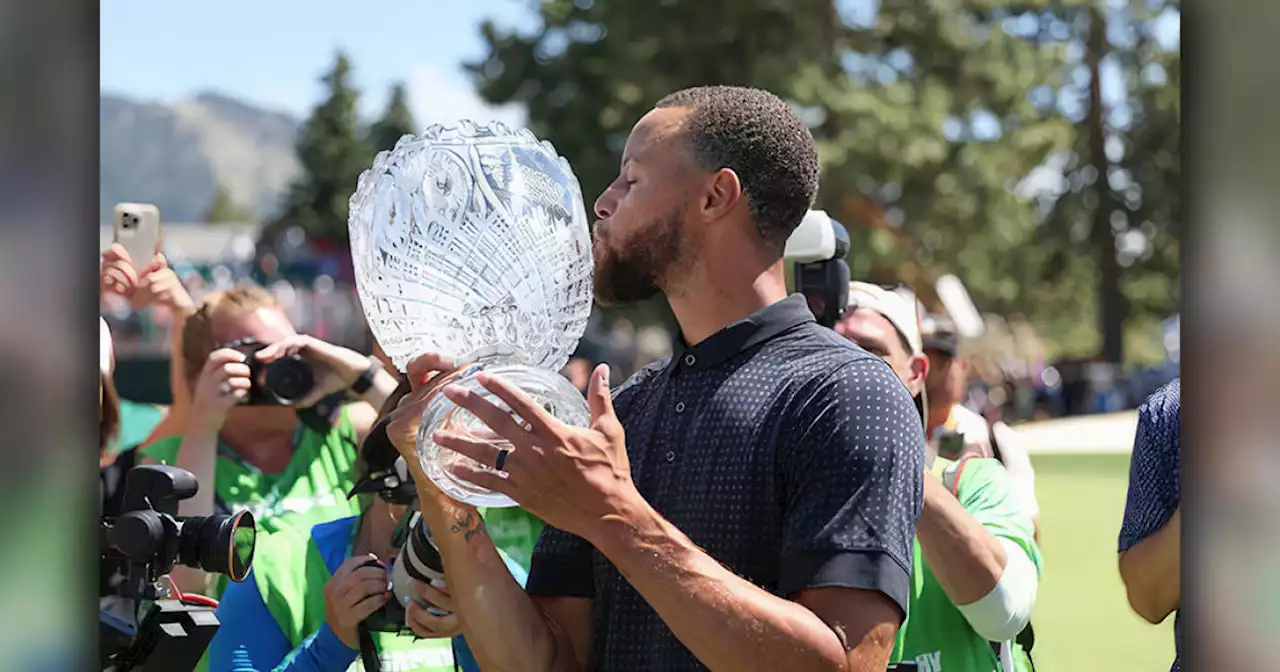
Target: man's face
(874,333)
(640,233)
(948,378)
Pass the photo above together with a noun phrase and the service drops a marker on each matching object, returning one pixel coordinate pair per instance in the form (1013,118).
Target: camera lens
(222,544)
(290,379)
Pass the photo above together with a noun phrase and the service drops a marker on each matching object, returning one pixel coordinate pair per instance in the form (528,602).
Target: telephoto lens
(219,543)
(419,559)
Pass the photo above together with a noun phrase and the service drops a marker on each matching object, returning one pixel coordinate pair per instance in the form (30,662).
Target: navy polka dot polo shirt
(789,454)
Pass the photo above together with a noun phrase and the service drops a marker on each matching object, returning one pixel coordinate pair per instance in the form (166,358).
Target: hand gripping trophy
(472,242)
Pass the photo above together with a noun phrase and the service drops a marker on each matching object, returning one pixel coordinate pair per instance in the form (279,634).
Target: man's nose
(605,204)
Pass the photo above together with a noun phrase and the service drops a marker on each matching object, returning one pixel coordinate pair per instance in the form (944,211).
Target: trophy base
(549,389)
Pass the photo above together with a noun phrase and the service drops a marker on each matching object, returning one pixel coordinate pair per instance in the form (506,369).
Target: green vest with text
(935,635)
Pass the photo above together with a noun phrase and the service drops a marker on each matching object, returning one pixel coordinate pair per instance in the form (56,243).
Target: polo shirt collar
(761,326)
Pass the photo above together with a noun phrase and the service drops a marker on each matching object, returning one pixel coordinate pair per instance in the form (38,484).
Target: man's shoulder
(975,474)
(1159,421)
(640,380)
(1164,406)
(844,373)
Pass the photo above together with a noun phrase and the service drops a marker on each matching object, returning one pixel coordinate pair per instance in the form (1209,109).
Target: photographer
(955,431)
(279,458)
(975,561)
(305,599)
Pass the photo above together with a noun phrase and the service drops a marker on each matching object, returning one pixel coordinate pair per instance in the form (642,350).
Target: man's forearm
(1151,571)
(501,623)
(966,559)
(726,621)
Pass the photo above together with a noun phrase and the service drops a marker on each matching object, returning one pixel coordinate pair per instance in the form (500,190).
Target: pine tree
(929,119)
(333,152)
(395,123)
(224,209)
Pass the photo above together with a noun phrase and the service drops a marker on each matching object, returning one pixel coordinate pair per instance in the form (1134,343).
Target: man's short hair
(197,333)
(758,136)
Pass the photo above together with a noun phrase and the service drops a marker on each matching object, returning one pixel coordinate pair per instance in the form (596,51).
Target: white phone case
(137,228)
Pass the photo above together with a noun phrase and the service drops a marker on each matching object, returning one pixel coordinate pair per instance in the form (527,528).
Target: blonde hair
(198,333)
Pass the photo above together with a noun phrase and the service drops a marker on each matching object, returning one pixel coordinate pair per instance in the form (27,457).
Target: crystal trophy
(471,241)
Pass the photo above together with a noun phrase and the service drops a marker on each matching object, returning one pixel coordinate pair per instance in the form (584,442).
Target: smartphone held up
(137,229)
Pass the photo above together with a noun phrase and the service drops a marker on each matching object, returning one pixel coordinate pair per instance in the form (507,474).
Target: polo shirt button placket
(679,407)
(671,456)
(690,360)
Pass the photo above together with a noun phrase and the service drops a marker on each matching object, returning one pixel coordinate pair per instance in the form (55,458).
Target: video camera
(141,546)
(817,247)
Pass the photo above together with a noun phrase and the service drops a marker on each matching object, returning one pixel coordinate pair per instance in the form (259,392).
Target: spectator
(790,458)
(975,558)
(954,430)
(277,461)
(1151,535)
(159,287)
(301,606)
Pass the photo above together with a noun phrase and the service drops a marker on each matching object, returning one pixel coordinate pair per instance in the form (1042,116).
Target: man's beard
(633,274)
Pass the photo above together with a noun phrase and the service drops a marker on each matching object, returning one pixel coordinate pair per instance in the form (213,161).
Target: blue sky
(273,52)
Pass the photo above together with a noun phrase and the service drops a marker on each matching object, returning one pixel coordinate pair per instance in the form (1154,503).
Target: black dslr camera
(817,247)
(419,558)
(283,382)
(140,547)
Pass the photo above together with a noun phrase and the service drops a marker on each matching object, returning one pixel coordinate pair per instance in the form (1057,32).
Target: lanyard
(273,495)
(230,453)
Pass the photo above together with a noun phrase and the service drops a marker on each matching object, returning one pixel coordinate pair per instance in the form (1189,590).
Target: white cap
(900,310)
(105,353)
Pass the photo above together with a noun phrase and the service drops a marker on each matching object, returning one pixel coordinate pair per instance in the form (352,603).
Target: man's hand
(427,625)
(571,478)
(224,383)
(351,595)
(338,367)
(427,375)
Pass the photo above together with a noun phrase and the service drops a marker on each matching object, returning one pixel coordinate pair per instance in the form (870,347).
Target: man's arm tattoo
(470,524)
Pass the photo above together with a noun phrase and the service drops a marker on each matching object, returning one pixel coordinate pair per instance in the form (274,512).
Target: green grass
(1083,621)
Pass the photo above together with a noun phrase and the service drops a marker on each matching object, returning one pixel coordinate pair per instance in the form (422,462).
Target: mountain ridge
(176,154)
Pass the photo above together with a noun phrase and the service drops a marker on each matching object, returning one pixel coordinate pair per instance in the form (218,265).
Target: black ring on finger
(501,461)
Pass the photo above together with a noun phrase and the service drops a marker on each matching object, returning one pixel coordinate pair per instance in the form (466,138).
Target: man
(750,503)
(954,431)
(1150,561)
(976,563)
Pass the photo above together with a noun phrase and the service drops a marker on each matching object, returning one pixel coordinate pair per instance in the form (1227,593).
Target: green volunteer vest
(312,489)
(291,574)
(936,635)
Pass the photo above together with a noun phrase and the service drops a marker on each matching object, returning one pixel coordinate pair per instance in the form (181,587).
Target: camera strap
(368,650)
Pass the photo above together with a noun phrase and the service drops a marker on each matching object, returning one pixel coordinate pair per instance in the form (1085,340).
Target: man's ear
(722,193)
(919,372)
